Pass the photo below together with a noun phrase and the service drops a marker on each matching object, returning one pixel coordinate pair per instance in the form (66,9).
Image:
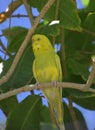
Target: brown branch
(5,78)
(29,12)
(10,9)
(73,115)
(62,53)
(57,9)
(4,48)
(56,16)
(43,86)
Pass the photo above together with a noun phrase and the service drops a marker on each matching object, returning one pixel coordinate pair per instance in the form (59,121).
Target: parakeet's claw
(54,83)
(37,84)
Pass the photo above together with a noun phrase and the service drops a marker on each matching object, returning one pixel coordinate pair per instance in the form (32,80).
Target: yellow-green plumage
(47,68)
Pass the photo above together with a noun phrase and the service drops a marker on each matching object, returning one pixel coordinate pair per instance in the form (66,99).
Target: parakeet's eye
(38,39)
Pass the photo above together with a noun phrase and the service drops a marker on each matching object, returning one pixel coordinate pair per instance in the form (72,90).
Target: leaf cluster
(78,36)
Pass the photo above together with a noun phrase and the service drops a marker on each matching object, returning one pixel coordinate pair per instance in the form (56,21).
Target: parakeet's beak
(35,45)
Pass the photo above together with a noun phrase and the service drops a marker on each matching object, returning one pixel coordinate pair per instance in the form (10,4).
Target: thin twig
(6,14)
(62,53)
(72,113)
(25,42)
(90,78)
(11,6)
(88,31)
(57,9)
(43,86)
(4,48)
(56,16)
(2,52)
(29,12)
(20,15)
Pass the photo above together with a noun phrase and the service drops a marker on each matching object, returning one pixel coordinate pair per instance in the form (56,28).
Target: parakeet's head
(40,43)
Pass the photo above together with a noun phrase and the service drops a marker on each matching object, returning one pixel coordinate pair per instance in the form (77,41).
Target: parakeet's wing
(57,60)
(34,71)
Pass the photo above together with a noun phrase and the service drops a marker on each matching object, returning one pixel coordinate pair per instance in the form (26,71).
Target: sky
(88,115)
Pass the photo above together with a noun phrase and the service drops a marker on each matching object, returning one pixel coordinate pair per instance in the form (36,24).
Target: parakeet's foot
(37,84)
(54,83)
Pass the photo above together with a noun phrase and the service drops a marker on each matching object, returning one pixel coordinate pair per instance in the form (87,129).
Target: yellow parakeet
(47,68)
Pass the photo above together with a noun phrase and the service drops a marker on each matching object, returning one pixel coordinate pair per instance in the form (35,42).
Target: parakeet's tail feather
(55,106)
(55,119)
(61,127)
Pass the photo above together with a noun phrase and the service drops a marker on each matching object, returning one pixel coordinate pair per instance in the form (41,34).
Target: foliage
(78,27)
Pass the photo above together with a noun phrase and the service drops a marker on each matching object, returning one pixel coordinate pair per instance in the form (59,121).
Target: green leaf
(26,116)
(85,2)
(79,45)
(23,72)
(67,13)
(7,105)
(45,126)
(81,120)
(78,68)
(91,7)
(89,22)
(68,119)
(15,36)
(46,29)
(74,92)
(45,115)
(77,93)
(1,60)
(88,103)
(39,4)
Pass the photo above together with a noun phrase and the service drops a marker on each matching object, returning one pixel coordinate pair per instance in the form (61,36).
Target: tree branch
(29,12)
(20,15)
(57,9)
(91,76)
(25,42)
(73,115)
(62,53)
(44,86)
(56,17)
(4,48)
(10,9)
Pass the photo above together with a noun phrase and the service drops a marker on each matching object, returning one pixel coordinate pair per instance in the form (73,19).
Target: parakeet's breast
(47,74)
(46,70)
